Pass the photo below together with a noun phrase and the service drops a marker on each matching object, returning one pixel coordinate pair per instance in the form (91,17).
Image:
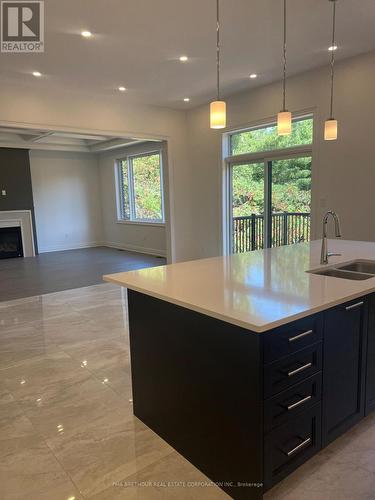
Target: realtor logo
(22,26)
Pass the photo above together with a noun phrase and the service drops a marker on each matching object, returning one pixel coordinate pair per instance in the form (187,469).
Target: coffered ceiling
(13,137)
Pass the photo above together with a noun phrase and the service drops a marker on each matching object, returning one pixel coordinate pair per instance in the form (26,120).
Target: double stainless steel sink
(356,270)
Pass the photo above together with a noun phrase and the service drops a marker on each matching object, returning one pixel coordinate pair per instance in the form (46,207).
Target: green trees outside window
(141,196)
(277,185)
(291,179)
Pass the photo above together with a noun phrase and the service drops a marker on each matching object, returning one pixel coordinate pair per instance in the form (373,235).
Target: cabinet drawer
(285,405)
(288,339)
(288,446)
(282,374)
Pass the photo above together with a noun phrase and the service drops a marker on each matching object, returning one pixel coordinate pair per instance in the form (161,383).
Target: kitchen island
(248,364)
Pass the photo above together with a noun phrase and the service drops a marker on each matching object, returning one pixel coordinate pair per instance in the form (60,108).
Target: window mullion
(267,203)
(131,189)
(120,174)
(161,173)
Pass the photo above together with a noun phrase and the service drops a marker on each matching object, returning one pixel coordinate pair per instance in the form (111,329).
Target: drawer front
(282,374)
(293,337)
(287,404)
(288,446)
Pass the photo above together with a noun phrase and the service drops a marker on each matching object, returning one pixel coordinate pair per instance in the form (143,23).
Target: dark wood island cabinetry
(247,408)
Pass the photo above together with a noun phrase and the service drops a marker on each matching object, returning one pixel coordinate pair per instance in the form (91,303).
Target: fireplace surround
(21,219)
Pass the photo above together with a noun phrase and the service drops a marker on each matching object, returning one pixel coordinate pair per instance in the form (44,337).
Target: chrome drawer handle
(299,447)
(301,335)
(354,306)
(300,369)
(299,403)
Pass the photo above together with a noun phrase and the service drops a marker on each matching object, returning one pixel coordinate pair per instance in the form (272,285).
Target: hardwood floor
(57,271)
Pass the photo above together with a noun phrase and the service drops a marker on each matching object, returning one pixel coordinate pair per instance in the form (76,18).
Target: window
(140,188)
(266,138)
(269,187)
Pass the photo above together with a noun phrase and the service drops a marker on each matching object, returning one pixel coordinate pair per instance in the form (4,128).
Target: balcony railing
(287,228)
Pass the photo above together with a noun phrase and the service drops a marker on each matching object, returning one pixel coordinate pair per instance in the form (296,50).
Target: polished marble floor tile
(169,478)
(28,468)
(107,450)
(45,375)
(67,428)
(76,327)
(31,311)
(21,344)
(99,354)
(118,379)
(73,406)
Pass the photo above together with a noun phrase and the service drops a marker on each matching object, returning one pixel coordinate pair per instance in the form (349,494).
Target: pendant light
(284,118)
(218,114)
(330,126)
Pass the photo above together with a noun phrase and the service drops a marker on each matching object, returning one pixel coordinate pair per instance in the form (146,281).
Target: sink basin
(357,270)
(359,266)
(340,273)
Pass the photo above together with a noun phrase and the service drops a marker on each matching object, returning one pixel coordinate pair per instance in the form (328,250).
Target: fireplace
(10,242)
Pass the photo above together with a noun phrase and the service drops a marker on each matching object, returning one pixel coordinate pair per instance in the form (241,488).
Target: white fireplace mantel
(22,219)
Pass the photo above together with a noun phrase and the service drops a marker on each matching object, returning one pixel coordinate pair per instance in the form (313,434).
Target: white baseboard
(70,246)
(135,248)
(93,244)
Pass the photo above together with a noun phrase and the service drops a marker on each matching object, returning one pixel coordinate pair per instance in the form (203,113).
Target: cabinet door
(370,376)
(344,367)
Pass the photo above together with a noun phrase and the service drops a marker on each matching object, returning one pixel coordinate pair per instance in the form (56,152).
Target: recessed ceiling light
(332,47)
(86,34)
(253,75)
(183,58)
(186,99)
(37,74)
(122,89)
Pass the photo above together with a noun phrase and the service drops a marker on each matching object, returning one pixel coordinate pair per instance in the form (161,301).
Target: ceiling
(137,44)
(13,137)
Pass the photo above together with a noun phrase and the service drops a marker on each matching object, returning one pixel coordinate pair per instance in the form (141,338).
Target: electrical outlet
(3,192)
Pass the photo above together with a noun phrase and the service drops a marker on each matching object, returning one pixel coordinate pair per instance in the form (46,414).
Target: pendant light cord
(218,49)
(284,60)
(333,57)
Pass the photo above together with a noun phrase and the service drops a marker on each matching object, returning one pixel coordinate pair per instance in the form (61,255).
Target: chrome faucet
(325,254)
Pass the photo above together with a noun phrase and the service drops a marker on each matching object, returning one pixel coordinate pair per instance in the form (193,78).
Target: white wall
(144,238)
(67,200)
(343,170)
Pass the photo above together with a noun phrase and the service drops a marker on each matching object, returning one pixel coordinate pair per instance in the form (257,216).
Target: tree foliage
(147,187)
(146,175)
(291,179)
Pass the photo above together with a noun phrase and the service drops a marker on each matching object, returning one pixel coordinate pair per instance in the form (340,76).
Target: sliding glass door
(247,200)
(290,200)
(268,186)
(270,202)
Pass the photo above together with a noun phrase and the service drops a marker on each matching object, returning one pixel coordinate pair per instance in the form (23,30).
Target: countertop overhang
(257,290)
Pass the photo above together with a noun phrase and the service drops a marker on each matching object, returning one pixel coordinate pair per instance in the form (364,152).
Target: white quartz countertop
(257,290)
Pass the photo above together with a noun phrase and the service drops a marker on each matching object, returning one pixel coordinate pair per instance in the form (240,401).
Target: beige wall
(343,171)
(66,199)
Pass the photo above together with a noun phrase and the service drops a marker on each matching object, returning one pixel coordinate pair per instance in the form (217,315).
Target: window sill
(140,223)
